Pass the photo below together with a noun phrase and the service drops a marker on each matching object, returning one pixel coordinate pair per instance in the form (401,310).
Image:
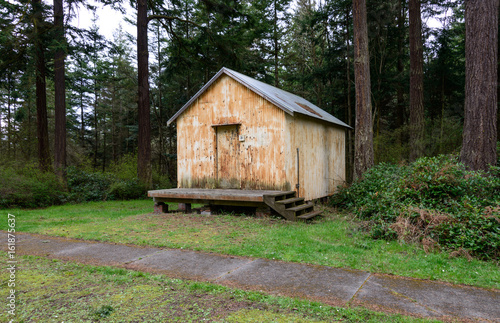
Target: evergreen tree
(417,121)
(481,69)
(363,153)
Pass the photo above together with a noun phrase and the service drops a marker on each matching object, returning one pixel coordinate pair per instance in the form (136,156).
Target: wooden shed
(243,142)
(237,132)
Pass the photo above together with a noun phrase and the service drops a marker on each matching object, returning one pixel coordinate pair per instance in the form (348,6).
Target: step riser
(290,207)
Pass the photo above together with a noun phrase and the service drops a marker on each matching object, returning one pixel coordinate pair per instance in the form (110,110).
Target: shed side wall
(261,153)
(321,156)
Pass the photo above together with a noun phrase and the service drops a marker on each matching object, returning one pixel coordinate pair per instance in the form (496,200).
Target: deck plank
(211,194)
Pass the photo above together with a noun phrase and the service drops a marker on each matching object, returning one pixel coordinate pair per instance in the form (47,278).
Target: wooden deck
(211,196)
(284,203)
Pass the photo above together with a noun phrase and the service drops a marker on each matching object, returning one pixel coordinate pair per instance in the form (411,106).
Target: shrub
(29,188)
(127,189)
(88,186)
(161,181)
(125,168)
(435,201)
(97,186)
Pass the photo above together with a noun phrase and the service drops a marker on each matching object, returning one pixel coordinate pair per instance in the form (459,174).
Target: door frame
(216,127)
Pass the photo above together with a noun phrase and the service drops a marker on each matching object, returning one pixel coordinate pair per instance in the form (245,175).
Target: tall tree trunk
(276,50)
(114,141)
(82,116)
(60,93)
(481,41)
(96,134)
(350,143)
(9,117)
(363,155)
(104,144)
(30,125)
(96,124)
(400,90)
(161,150)
(41,92)
(144,136)
(417,121)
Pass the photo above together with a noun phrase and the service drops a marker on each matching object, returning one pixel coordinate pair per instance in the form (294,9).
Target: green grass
(335,240)
(55,291)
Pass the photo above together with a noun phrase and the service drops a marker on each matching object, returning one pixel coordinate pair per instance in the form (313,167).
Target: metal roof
(288,102)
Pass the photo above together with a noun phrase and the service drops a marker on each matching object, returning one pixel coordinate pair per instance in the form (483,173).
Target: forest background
(305,48)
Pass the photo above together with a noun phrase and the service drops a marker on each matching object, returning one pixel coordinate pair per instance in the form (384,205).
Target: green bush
(433,200)
(87,186)
(29,188)
(127,190)
(97,186)
(161,181)
(125,168)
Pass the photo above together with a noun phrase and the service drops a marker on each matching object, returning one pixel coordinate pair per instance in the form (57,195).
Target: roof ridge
(289,102)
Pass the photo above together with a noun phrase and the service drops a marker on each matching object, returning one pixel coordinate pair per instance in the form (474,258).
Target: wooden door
(228,173)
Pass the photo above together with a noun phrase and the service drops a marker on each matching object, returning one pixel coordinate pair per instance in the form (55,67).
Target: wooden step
(291,200)
(289,206)
(280,194)
(272,199)
(301,207)
(309,215)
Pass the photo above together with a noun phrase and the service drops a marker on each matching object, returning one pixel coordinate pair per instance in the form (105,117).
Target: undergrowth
(434,201)
(25,186)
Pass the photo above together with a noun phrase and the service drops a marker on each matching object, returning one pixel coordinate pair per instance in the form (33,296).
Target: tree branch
(170,18)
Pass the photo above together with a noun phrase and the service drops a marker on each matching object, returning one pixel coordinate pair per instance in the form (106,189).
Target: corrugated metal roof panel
(287,101)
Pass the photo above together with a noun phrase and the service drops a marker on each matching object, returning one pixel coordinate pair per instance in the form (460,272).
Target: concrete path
(340,287)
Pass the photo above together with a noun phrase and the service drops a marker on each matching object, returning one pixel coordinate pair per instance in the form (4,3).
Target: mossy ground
(335,239)
(54,291)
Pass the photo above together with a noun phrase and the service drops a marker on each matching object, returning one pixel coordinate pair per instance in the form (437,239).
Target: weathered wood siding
(260,158)
(321,156)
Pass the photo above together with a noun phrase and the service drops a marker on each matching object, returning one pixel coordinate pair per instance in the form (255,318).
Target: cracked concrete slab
(41,245)
(189,264)
(331,285)
(89,252)
(106,254)
(429,298)
(378,297)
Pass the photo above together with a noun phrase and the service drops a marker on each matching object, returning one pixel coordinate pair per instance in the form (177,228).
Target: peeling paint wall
(321,156)
(260,158)
(266,155)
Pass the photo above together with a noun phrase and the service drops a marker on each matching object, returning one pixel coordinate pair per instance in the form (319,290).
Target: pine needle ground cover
(337,239)
(56,291)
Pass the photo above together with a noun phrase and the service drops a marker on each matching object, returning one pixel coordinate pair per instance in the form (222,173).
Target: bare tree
(363,155)
(481,41)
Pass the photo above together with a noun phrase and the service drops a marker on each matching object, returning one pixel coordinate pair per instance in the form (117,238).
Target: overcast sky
(108,20)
